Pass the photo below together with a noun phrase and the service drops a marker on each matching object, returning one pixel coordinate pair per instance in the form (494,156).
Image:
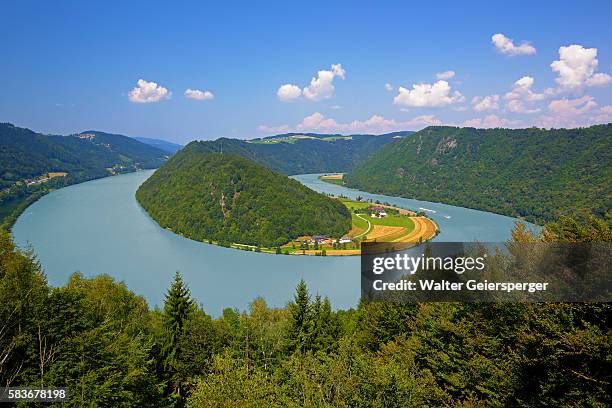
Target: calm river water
(98,228)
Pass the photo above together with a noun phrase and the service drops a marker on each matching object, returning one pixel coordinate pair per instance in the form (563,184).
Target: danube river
(98,227)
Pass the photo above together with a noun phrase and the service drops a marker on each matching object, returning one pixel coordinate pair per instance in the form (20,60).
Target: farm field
(368,225)
(333,178)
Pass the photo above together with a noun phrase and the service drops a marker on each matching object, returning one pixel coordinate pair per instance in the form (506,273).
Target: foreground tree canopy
(230,199)
(105,344)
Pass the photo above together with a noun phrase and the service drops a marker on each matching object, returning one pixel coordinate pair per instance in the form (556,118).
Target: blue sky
(72,66)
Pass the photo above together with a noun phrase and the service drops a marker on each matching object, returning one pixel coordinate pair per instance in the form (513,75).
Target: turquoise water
(98,227)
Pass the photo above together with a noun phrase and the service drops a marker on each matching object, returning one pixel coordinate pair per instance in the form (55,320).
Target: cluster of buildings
(378,212)
(327,240)
(44,179)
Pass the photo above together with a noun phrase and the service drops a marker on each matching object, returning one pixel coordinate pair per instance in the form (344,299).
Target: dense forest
(532,173)
(229,199)
(106,345)
(313,154)
(26,155)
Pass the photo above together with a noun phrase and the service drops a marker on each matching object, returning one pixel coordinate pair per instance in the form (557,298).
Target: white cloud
(199,95)
(574,113)
(445,75)
(288,92)
(506,46)
(576,68)
(486,103)
(572,107)
(522,90)
(335,107)
(517,106)
(317,122)
(521,98)
(599,79)
(388,87)
(492,121)
(147,92)
(427,95)
(322,86)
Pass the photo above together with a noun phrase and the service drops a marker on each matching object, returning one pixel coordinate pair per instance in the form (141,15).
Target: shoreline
(317,252)
(9,221)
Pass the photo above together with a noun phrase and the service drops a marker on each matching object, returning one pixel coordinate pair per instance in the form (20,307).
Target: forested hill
(27,154)
(229,199)
(295,153)
(534,173)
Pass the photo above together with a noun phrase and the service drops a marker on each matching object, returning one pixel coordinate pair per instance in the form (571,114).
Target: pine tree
(177,310)
(327,328)
(300,319)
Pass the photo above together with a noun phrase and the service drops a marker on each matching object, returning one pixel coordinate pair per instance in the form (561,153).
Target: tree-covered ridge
(319,154)
(27,154)
(533,173)
(229,199)
(106,345)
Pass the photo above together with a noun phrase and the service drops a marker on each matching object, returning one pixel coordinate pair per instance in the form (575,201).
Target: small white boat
(447,217)
(427,209)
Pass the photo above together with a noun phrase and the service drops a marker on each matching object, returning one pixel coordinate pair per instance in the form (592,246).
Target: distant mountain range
(160,144)
(300,153)
(533,173)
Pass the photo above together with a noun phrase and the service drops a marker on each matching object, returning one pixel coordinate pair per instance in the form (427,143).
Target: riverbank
(98,228)
(14,207)
(371,223)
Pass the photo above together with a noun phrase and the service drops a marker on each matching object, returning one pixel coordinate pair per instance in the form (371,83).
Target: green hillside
(534,173)
(26,157)
(295,153)
(230,199)
(27,154)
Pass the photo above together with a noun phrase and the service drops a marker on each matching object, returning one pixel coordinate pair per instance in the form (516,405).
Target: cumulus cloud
(288,92)
(321,87)
(445,75)
(506,46)
(147,92)
(576,68)
(317,122)
(492,121)
(572,107)
(522,97)
(574,113)
(486,103)
(522,89)
(388,87)
(427,95)
(199,95)
(517,106)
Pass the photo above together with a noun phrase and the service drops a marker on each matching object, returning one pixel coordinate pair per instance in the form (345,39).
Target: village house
(321,239)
